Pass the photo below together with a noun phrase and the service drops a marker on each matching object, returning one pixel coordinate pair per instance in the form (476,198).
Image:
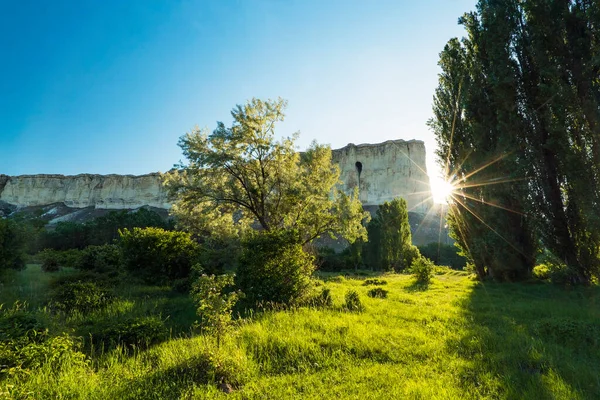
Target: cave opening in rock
(358,165)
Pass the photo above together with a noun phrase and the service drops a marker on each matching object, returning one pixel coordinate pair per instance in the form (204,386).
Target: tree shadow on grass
(528,342)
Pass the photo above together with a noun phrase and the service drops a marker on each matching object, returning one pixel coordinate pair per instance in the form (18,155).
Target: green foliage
(374,282)
(100,259)
(241,175)
(157,255)
(12,245)
(50,260)
(139,332)
(80,296)
(274,269)
(443,254)
(329,260)
(352,302)
(321,300)
(422,268)
(26,346)
(100,231)
(377,293)
(544,160)
(390,242)
(214,303)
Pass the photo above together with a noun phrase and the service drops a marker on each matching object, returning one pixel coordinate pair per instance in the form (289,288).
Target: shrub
(444,254)
(50,260)
(422,269)
(353,302)
(374,282)
(80,296)
(377,293)
(214,303)
(101,259)
(12,245)
(157,255)
(273,269)
(322,300)
(135,332)
(328,260)
(542,272)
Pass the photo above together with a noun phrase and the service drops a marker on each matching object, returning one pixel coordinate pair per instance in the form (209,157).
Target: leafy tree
(522,92)
(12,244)
(479,136)
(390,241)
(241,175)
(158,255)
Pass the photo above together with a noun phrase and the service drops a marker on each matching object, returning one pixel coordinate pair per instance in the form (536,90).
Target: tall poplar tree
(518,102)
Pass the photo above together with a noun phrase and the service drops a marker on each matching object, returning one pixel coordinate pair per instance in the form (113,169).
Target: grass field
(456,338)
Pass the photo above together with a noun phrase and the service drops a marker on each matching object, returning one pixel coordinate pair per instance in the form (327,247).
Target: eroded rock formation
(381,171)
(100,191)
(387,170)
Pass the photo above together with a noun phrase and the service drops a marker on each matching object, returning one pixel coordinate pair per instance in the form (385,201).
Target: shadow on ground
(525,341)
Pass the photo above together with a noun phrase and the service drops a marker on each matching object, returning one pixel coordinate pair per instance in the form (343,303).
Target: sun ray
(489,203)
(489,227)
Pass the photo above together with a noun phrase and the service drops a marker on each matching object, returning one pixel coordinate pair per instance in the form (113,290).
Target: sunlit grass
(455,339)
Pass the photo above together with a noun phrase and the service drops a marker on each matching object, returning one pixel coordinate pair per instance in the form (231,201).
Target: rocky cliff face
(381,171)
(80,191)
(384,171)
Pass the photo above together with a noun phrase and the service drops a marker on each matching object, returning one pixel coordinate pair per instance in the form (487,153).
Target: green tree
(12,245)
(390,241)
(241,175)
(478,133)
(521,93)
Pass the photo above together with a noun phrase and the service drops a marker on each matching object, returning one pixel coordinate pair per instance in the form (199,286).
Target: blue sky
(109,86)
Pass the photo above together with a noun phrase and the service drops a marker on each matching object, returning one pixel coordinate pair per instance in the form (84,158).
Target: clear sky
(109,86)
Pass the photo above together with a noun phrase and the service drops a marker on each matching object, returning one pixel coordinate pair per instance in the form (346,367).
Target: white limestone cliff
(382,171)
(85,190)
(387,170)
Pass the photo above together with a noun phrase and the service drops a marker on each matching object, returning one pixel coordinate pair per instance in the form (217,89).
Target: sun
(441,190)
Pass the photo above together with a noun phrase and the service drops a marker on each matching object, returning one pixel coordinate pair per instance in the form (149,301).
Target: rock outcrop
(387,170)
(114,192)
(381,171)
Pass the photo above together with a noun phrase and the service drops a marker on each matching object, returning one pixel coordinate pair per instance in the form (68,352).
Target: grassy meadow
(453,339)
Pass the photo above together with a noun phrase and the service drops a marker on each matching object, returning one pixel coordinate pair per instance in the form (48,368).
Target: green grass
(455,338)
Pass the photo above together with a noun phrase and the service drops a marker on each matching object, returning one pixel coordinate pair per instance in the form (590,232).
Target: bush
(321,300)
(328,260)
(215,303)
(135,332)
(101,259)
(422,269)
(273,269)
(80,296)
(374,282)
(353,302)
(12,245)
(50,260)
(377,293)
(542,272)
(444,254)
(158,256)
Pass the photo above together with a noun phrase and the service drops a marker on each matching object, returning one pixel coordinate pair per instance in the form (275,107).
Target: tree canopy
(241,176)
(516,115)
